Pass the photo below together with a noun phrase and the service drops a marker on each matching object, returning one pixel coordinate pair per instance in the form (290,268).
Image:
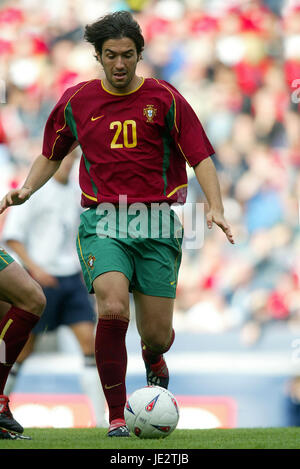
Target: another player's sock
(151,357)
(92,388)
(15,328)
(111,359)
(12,377)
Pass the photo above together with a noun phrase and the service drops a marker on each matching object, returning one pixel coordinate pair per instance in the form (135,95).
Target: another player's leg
(112,296)
(154,322)
(84,332)
(77,309)
(9,427)
(27,304)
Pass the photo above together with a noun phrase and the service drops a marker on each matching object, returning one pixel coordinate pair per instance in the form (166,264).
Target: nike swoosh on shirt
(95,118)
(113,386)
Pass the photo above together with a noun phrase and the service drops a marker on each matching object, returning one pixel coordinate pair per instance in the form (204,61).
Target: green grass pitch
(93,438)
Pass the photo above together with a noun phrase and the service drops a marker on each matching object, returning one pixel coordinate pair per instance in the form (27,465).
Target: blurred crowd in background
(238,64)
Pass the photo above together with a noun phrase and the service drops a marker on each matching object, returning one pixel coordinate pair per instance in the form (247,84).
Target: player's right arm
(58,142)
(41,171)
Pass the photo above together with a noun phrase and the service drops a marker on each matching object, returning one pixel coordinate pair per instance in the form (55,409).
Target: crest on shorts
(91,261)
(150,112)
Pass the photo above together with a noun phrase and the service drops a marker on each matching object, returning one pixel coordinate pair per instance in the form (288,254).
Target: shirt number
(128,131)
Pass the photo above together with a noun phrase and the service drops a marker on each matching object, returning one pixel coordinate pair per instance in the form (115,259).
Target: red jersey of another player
(135,144)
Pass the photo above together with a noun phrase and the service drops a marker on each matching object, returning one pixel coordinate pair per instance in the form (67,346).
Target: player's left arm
(206,175)
(196,148)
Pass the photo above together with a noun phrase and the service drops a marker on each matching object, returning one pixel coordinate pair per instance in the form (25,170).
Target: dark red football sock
(111,359)
(15,328)
(151,357)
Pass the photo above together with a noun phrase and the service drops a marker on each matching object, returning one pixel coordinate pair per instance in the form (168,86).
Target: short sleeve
(58,137)
(189,133)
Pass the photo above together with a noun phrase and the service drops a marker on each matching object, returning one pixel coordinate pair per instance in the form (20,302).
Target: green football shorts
(5,259)
(144,244)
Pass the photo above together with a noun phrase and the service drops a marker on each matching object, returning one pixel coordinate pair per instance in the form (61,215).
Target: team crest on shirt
(91,261)
(150,112)
(3,251)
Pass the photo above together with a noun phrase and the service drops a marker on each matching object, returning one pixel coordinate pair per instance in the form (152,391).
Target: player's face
(119,59)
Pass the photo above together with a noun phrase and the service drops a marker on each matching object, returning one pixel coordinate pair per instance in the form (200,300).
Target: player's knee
(34,301)
(158,341)
(114,308)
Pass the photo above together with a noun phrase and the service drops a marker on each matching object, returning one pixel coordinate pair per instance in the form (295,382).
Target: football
(151,412)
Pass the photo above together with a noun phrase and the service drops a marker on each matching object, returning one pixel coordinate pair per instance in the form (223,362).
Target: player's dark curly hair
(114,26)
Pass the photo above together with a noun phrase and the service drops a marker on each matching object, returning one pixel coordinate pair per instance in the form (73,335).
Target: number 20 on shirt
(125,134)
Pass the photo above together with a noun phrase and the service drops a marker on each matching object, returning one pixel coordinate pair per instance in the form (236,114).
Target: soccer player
(136,137)
(22,302)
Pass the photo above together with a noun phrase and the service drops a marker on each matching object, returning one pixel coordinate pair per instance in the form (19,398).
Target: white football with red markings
(151,412)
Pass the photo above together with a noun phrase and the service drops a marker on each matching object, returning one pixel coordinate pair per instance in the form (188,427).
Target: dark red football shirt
(135,144)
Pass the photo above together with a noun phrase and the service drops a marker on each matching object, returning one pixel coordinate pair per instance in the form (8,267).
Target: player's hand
(15,197)
(217,217)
